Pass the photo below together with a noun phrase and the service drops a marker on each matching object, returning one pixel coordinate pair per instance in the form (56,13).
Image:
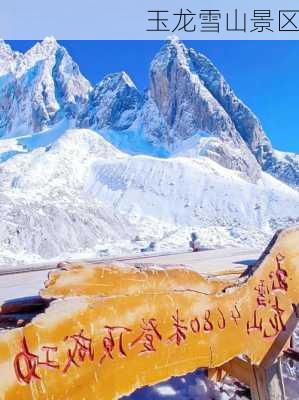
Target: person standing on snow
(194,243)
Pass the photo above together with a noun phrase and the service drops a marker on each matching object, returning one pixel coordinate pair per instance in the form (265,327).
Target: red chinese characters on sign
(79,347)
(149,334)
(49,362)
(263,291)
(267,297)
(26,363)
(256,324)
(207,323)
(114,334)
(278,283)
(82,349)
(267,320)
(271,326)
(276,322)
(180,329)
(279,277)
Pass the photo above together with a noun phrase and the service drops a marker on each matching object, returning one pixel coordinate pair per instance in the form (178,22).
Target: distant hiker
(194,242)
(150,247)
(194,236)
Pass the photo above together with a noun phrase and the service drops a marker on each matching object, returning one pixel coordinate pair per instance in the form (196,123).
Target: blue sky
(264,74)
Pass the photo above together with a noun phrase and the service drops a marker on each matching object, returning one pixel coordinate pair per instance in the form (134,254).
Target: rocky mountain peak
(44,50)
(173,50)
(190,109)
(115,82)
(45,86)
(8,58)
(113,103)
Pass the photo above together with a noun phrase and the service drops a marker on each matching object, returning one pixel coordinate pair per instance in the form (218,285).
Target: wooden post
(266,380)
(239,369)
(216,374)
(267,384)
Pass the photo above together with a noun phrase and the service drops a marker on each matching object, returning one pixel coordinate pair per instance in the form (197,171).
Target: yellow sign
(114,329)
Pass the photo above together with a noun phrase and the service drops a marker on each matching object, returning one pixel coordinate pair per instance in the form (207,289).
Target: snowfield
(73,194)
(187,191)
(45,212)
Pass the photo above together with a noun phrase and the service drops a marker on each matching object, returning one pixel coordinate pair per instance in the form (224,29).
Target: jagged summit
(174,42)
(113,103)
(8,58)
(126,79)
(5,49)
(116,80)
(43,50)
(190,109)
(50,39)
(173,51)
(173,39)
(44,86)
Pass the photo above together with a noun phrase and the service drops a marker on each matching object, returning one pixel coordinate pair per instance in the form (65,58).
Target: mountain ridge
(187,98)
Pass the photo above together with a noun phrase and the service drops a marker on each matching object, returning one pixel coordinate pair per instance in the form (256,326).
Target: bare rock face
(177,107)
(186,104)
(190,109)
(244,120)
(196,102)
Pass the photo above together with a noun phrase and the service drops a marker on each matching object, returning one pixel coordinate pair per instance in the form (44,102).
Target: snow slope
(44,211)
(189,192)
(72,193)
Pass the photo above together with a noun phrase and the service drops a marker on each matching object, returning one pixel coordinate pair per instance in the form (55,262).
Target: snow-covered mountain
(113,103)
(177,106)
(45,212)
(38,88)
(86,169)
(188,103)
(188,98)
(8,58)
